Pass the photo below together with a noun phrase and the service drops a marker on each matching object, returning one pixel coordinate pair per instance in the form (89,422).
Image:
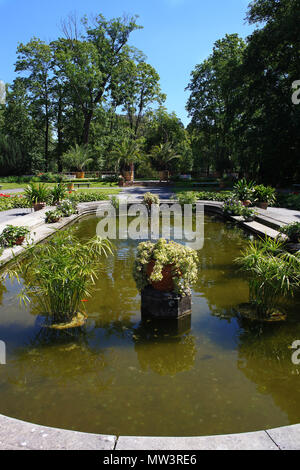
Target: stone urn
(167,283)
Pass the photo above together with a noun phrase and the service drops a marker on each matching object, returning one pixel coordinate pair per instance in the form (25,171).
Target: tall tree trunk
(86,128)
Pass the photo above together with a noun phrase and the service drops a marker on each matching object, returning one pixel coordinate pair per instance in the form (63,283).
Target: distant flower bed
(88,196)
(8,201)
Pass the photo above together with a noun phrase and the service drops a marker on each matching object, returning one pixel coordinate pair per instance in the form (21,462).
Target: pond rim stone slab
(20,435)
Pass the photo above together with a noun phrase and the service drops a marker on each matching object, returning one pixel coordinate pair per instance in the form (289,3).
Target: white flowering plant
(184,262)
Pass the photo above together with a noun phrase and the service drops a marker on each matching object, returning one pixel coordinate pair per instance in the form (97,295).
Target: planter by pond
(167,283)
(39,206)
(20,241)
(80,175)
(263,205)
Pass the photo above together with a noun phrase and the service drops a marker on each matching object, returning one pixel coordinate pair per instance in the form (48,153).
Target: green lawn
(24,185)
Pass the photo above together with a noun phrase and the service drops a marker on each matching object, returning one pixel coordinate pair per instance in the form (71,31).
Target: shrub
(221,196)
(182,259)
(187,197)
(88,196)
(58,275)
(8,202)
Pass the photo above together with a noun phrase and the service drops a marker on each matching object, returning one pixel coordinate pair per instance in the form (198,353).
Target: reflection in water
(121,374)
(165,347)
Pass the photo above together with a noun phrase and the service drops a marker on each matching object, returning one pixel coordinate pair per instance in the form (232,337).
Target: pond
(213,374)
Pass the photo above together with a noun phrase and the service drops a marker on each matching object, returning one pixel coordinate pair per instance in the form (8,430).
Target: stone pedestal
(164,305)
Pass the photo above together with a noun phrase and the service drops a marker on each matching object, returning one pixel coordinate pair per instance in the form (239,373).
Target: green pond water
(121,375)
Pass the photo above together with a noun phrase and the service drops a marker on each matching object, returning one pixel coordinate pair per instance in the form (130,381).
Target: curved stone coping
(20,435)
(41,231)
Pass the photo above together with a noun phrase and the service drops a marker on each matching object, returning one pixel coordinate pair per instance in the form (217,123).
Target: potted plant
(150,199)
(166,266)
(292,231)
(244,191)
(248,214)
(264,196)
(13,235)
(77,157)
(125,155)
(121,181)
(53,216)
(58,193)
(67,208)
(37,195)
(233,207)
(162,155)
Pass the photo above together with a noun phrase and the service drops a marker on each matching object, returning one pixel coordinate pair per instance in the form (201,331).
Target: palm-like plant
(77,157)
(126,153)
(163,154)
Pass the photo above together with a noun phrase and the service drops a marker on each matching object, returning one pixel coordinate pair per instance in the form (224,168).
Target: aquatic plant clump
(58,275)
(273,273)
(184,262)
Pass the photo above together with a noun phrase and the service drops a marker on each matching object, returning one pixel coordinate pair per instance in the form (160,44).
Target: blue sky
(177,34)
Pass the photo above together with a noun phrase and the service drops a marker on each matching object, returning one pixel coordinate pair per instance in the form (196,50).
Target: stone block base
(164,305)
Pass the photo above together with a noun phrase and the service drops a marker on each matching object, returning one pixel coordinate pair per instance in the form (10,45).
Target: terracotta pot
(80,175)
(39,206)
(263,205)
(19,241)
(70,186)
(246,203)
(128,175)
(167,283)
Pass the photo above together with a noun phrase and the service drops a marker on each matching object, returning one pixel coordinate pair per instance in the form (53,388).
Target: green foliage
(37,193)
(8,202)
(264,194)
(184,262)
(244,190)
(273,273)
(53,216)
(58,193)
(292,231)
(233,207)
(58,275)
(150,199)
(88,196)
(187,197)
(10,235)
(163,155)
(77,158)
(67,208)
(222,196)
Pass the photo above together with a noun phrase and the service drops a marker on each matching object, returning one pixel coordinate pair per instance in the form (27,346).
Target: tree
(88,63)
(210,105)
(77,158)
(36,58)
(162,155)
